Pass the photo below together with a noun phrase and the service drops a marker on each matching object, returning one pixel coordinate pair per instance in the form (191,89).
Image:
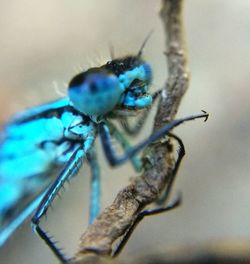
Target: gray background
(44,43)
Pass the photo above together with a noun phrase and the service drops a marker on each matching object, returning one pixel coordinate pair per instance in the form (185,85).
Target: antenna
(144,43)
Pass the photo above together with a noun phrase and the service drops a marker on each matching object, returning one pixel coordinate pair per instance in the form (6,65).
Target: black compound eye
(77,80)
(93,88)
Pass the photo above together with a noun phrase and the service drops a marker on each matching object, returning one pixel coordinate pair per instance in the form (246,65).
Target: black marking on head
(119,66)
(81,77)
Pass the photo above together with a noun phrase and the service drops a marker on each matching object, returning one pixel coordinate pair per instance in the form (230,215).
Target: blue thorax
(38,143)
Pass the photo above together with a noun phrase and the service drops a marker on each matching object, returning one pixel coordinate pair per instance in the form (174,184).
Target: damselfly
(45,146)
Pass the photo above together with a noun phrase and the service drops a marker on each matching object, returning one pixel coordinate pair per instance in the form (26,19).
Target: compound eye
(96,94)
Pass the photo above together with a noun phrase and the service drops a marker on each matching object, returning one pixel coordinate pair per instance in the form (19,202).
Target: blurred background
(45,43)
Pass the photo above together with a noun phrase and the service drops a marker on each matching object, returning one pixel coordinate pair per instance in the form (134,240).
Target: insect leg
(137,126)
(70,170)
(163,199)
(94,206)
(136,161)
(110,152)
(181,153)
(139,218)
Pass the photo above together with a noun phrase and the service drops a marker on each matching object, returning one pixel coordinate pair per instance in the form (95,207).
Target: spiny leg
(71,169)
(110,152)
(162,200)
(136,128)
(94,206)
(95,171)
(181,153)
(139,218)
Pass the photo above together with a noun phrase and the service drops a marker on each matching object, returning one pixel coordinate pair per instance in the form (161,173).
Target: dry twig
(116,219)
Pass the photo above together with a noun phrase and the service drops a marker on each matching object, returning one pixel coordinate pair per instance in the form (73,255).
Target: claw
(206,115)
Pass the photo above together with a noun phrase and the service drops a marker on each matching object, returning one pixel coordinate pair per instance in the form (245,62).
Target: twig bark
(116,219)
(222,251)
